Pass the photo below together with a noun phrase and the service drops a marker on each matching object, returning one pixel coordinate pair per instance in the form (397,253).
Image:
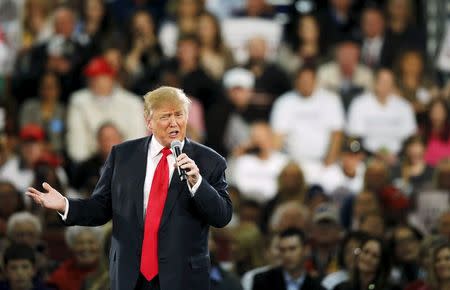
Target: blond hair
(164,95)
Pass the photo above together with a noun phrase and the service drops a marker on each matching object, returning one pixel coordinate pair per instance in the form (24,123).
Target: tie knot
(166,152)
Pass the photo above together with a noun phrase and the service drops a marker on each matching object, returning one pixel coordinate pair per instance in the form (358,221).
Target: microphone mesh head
(175,143)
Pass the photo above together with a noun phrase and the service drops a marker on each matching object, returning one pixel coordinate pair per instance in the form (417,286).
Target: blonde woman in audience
(36,23)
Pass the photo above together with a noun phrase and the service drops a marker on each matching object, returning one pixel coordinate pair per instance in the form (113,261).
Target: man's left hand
(192,171)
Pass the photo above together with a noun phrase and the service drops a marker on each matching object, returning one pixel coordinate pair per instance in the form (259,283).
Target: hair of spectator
(19,252)
(108,125)
(444,135)
(417,234)
(280,211)
(353,235)
(188,37)
(293,232)
(164,95)
(72,233)
(306,68)
(22,217)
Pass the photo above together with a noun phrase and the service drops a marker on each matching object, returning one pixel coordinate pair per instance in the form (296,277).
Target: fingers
(188,164)
(47,186)
(35,195)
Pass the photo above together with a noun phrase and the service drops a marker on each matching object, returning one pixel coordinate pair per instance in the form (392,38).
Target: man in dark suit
(162,245)
(291,274)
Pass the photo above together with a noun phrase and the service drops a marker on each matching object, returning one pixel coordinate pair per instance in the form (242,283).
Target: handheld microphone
(176,149)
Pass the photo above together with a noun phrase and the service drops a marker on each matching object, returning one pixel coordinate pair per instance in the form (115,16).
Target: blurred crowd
(333,115)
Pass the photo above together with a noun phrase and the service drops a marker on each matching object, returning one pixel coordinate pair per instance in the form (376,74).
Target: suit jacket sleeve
(211,197)
(96,210)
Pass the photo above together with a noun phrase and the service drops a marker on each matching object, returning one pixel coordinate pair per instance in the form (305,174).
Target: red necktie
(155,207)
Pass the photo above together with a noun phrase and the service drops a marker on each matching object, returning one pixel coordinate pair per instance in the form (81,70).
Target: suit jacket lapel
(176,187)
(141,170)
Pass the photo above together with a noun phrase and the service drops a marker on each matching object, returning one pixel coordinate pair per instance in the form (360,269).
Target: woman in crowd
(436,131)
(371,269)
(47,111)
(439,272)
(85,244)
(36,23)
(215,57)
(304,46)
(413,173)
(412,81)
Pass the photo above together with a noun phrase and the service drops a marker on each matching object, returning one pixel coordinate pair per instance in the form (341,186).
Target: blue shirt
(292,284)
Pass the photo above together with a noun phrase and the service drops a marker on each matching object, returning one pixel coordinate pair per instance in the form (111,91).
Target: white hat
(238,77)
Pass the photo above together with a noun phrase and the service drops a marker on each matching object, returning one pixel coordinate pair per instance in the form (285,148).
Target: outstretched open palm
(51,199)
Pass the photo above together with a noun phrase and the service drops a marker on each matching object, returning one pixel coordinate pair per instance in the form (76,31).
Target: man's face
(291,253)
(86,249)
(372,23)
(102,85)
(168,123)
(107,139)
(305,83)
(20,273)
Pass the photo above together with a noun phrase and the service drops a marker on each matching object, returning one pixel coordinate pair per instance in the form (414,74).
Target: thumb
(47,186)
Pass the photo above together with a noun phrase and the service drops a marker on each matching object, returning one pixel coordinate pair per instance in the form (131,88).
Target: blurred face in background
(305,82)
(365,203)
(94,10)
(10,200)
(188,51)
(308,29)
(347,56)
(188,8)
(240,96)
(438,114)
(415,152)
(341,5)
(107,138)
(291,179)
(86,249)
(372,23)
(262,136)
(114,58)
(102,85)
(64,22)
(326,233)
(407,245)
(257,49)
(373,224)
(442,264)
(412,64)
(369,258)
(31,151)
(376,176)
(49,88)
(399,10)
(207,29)
(19,273)
(143,24)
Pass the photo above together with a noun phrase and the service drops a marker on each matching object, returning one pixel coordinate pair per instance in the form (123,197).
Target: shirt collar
(299,281)
(156,147)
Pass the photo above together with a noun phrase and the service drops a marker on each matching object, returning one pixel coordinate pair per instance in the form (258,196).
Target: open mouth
(173,134)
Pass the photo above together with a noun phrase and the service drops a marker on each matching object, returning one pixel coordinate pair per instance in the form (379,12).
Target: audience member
(292,273)
(345,75)
(102,101)
(309,120)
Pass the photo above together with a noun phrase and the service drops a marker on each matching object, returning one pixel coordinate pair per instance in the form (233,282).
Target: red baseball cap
(99,66)
(32,132)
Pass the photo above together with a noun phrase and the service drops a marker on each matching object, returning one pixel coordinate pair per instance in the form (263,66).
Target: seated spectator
(20,267)
(309,120)
(438,272)
(228,122)
(290,214)
(346,176)
(102,101)
(19,169)
(325,237)
(414,83)
(373,224)
(412,174)
(292,273)
(405,243)
(372,268)
(349,248)
(291,187)
(337,22)
(36,24)
(26,228)
(442,177)
(304,46)
(220,278)
(256,171)
(383,119)
(363,203)
(270,80)
(185,21)
(345,75)
(215,56)
(436,131)
(375,49)
(246,248)
(402,33)
(12,202)
(85,244)
(47,111)
(144,56)
(108,135)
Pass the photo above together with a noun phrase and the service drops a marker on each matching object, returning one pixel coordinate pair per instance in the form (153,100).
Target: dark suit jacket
(183,255)
(273,279)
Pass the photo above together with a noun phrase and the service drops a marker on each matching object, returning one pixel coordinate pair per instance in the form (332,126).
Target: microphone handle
(181,172)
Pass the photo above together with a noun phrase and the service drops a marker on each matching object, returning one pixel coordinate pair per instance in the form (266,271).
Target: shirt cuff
(66,211)
(195,187)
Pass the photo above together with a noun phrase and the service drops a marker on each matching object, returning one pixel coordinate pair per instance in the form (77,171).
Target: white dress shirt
(153,156)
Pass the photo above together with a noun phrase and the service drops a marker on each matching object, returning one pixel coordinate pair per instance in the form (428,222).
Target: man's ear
(148,123)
